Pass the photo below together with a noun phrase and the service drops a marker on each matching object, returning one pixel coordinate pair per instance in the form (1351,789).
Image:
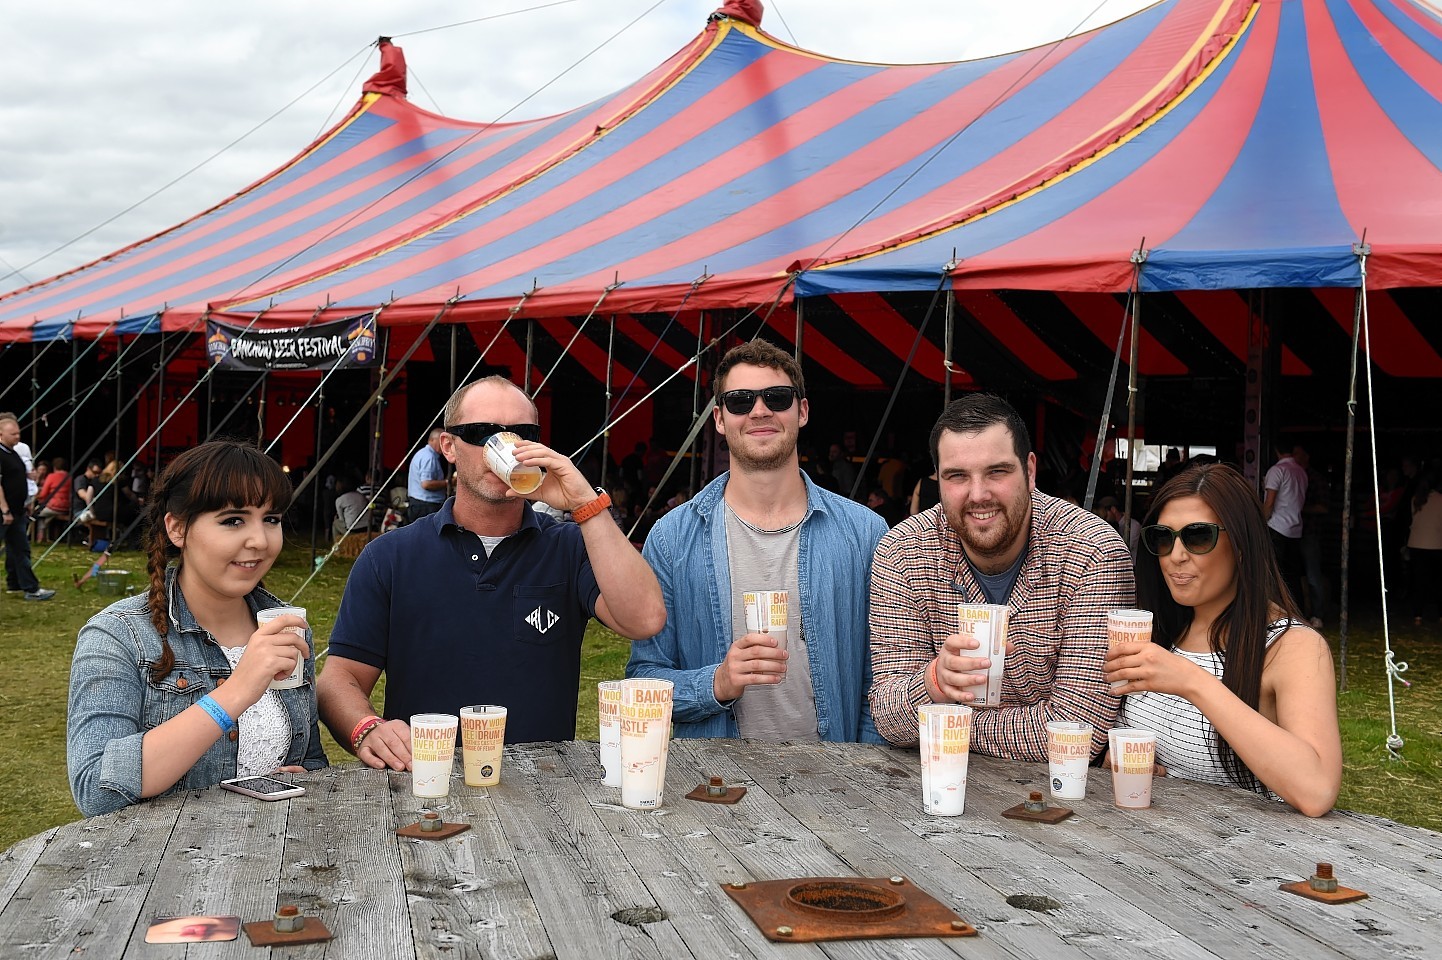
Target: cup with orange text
(1068,753)
(1132,759)
(767,612)
(945,730)
(645,739)
(483,740)
(1128,626)
(608,714)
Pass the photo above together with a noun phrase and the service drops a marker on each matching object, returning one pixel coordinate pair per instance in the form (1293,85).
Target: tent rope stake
(1395,668)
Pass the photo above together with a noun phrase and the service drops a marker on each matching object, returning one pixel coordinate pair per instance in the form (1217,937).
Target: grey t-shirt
(762,560)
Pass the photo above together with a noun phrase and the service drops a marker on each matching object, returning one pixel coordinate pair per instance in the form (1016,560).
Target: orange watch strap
(588,510)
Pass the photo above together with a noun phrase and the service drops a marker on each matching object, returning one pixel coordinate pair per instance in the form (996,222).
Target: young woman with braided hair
(169,690)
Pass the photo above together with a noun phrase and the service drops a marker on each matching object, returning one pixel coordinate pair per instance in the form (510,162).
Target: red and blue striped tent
(1242,144)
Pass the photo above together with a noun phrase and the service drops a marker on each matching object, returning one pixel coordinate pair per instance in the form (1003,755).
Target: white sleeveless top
(1186,744)
(264,730)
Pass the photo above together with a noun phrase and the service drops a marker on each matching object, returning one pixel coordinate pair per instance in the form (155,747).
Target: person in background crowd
(14,522)
(1424,546)
(1238,688)
(426,481)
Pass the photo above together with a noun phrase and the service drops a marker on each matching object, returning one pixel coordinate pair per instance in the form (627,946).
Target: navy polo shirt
(451,627)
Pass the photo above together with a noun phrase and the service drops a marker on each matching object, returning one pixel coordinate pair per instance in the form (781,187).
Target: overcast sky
(108,103)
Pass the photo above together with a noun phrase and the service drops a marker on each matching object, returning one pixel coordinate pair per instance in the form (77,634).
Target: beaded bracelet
(217,713)
(362,730)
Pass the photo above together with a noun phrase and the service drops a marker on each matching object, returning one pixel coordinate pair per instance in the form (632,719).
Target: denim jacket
(113,701)
(687,549)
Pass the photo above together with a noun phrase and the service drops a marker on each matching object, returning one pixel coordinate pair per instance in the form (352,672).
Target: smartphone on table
(263,788)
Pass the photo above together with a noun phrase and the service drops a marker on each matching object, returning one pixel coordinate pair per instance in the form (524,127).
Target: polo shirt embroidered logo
(542,619)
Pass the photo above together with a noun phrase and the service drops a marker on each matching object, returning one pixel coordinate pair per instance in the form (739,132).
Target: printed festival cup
(297,676)
(767,612)
(483,739)
(987,623)
(1133,755)
(1128,626)
(945,730)
(609,714)
(501,458)
(433,749)
(645,738)
(1068,753)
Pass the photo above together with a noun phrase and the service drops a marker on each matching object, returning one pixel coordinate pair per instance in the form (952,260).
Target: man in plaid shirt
(995,539)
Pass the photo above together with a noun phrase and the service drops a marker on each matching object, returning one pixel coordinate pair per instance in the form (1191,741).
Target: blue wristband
(217,713)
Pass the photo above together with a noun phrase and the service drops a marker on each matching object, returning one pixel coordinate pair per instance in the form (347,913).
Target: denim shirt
(113,701)
(687,550)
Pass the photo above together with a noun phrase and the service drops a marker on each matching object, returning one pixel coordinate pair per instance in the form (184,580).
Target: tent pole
(260,418)
(606,411)
(159,399)
(948,338)
(1344,600)
(800,327)
(315,519)
(378,437)
(530,347)
(696,400)
(455,334)
(1106,418)
(1139,257)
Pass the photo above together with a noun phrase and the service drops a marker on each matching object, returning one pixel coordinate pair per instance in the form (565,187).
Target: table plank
(465,894)
(222,859)
(86,889)
(342,864)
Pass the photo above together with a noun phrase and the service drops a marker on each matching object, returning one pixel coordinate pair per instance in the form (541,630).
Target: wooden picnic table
(554,866)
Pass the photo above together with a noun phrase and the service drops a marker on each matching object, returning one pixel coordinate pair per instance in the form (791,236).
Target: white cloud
(108,102)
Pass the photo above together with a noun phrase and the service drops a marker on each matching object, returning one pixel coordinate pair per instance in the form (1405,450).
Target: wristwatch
(588,510)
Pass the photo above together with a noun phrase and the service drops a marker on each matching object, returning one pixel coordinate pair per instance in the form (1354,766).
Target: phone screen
(263,785)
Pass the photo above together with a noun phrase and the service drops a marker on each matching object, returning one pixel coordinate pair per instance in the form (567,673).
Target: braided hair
(212,476)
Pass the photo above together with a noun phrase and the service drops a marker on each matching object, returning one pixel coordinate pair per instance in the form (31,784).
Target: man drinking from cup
(486,600)
(995,539)
(763,530)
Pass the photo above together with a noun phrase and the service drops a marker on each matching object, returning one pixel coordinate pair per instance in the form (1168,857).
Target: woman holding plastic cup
(172,689)
(1239,689)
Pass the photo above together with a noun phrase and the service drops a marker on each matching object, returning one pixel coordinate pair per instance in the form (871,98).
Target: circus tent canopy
(1244,144)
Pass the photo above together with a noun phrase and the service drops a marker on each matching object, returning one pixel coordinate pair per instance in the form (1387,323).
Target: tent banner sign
(347,343)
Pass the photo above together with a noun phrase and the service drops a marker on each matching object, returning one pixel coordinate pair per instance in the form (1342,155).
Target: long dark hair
(213,476)
(1239,634)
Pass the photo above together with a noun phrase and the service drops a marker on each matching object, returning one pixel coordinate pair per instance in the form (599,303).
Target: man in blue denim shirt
(763,526)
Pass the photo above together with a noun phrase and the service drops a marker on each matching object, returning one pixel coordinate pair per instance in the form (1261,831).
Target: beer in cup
(297,676)
(645,737)
(1133,756)
(945,730)
(986,622)
(1068,753)
(483,738)
(767,612)
(501,458)
(1128,626)
(433,748)
(609,715)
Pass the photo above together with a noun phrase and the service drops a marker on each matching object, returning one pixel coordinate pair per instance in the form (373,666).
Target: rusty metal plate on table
(262,933)
(844,908)
(1303,888)
(1049,815)
(732,795)
(414,831)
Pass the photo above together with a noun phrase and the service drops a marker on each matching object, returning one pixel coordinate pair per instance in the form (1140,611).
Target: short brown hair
(759,353)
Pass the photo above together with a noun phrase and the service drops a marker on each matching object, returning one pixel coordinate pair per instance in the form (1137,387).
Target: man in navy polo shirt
(485,601)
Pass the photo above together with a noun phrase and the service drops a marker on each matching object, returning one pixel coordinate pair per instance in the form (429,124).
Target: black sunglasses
(1197,538)
(476,433)
(741,402)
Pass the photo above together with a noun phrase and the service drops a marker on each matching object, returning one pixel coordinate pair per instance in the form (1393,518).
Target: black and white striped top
(1186,745)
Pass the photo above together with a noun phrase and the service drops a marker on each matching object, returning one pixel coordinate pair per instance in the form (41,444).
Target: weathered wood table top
(552,859)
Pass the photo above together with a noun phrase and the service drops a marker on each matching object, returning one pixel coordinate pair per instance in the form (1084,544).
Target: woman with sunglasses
(170,689)
(1238,688)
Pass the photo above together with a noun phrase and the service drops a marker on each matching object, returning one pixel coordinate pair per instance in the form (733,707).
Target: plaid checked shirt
(1076,569)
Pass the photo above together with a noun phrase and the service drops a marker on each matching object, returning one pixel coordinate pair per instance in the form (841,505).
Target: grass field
(37,640)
